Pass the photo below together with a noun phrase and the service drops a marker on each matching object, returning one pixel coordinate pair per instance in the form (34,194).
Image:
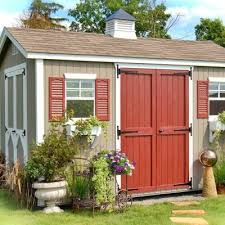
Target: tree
(39,15)
(152,19)
(211,30)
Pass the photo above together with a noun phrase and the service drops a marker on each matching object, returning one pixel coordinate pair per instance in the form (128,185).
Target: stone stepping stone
(197,212)
(185,203)
(189,221)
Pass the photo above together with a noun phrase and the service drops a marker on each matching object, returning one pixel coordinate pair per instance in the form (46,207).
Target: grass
(11,214)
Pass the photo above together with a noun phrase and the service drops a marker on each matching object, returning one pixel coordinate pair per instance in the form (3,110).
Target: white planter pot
(96,131)
(70,128)
(50,193)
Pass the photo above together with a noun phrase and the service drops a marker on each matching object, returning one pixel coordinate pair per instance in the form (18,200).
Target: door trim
(118,107)
(40,100)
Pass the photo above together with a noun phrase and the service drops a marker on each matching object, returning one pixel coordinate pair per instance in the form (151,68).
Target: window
(216,97)
(80,97)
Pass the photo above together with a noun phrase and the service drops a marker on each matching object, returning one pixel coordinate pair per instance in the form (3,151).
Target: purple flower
(119,163)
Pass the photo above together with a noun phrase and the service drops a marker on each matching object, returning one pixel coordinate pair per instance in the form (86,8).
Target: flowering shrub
(119,163)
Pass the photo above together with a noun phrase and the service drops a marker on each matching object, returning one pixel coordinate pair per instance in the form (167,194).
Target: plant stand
(209,185)
(123,198)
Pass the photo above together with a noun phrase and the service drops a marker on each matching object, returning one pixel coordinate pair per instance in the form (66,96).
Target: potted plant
(86,127)
(219,173)
(46,166)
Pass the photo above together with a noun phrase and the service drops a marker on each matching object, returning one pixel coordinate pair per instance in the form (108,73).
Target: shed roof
(76,43)
(121,15)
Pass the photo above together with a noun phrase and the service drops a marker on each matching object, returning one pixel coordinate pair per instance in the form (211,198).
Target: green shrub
(219,172)
(48,159)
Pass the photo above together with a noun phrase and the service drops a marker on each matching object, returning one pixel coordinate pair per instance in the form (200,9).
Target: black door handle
(161,130)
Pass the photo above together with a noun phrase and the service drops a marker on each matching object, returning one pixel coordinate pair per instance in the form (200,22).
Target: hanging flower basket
(119,163)
(95,131)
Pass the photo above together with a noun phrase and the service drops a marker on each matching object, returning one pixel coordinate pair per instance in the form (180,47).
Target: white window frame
(215,80)
(79,76)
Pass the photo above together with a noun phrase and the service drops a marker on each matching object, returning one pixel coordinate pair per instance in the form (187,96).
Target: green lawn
(10,214)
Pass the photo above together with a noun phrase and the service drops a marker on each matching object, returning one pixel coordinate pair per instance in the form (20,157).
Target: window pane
(216,107)
(72,93)
(87,93)
(222,94)
(81,108)
(87,84)
(72,83)
(213,86)
(222,86)
(213,94)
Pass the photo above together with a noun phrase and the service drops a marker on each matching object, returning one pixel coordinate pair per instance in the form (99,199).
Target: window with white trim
(80,97)
(216,97)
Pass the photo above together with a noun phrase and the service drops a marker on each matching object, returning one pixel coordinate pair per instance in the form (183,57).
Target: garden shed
(157,95)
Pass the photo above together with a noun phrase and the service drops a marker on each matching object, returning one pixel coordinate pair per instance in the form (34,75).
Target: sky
(190,12)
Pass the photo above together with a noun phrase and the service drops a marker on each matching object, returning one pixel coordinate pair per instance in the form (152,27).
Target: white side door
(16,147)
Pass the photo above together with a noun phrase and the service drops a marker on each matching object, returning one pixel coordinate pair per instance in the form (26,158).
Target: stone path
(197,212)
(189,220)
(176,214)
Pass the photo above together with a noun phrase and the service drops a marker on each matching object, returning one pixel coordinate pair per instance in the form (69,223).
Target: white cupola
(121,25)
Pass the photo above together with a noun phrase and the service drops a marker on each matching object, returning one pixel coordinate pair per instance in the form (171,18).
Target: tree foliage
(39,15)
(209,29)
(152,18)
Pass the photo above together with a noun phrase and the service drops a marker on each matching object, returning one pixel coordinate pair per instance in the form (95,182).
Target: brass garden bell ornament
(208,159)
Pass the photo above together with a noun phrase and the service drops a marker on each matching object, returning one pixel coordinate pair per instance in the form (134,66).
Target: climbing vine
(103,182)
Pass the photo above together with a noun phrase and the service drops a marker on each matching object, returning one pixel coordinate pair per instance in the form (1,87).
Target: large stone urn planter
(51,193)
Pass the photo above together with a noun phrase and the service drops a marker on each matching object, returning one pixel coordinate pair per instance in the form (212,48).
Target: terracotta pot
(220,189)
(50,193)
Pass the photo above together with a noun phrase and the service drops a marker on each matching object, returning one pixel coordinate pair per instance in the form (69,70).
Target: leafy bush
(49,158)
(219,172)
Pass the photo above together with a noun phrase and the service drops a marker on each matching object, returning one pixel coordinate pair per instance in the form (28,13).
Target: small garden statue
(208,159)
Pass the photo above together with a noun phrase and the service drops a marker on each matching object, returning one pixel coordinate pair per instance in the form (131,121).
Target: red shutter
(56,97)
(202,99)
(102,96)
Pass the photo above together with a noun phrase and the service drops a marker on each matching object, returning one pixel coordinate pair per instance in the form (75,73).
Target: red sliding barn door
(154,128)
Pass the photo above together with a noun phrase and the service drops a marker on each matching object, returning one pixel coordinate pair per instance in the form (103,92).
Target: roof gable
(7,35)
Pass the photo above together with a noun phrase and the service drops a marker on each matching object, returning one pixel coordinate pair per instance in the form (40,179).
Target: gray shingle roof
(121,15)
(77,43)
